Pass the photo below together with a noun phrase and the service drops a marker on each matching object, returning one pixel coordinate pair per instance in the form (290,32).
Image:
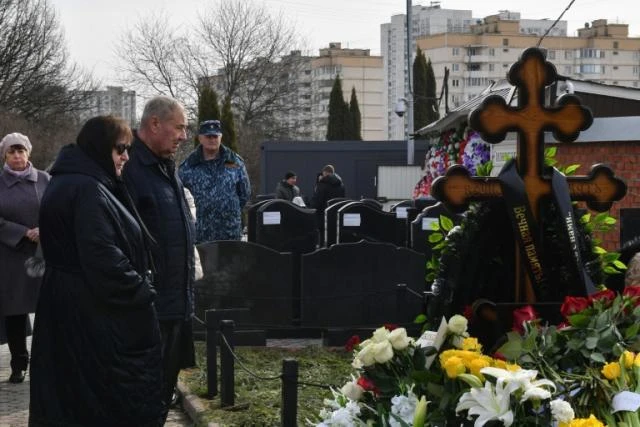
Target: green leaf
(599,250)
(585,218)
(512,349)
(435,237)
(591,342)
(435,226)
(420,318)
(610,270)
(571,169)
(446,222)
(632,331)
(619,264)
(610,220)
(597,357)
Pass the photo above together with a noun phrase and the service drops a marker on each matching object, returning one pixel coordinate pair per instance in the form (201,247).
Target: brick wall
(623,158)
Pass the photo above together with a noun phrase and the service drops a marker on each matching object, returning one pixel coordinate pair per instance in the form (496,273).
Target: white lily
(488,403)
(522,379)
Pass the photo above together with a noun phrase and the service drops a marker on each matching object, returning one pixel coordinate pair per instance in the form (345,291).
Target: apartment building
(114,100)
(602,52)
(425,20)
(357,69)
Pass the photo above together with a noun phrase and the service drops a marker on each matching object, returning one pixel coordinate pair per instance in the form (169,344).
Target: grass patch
(257,401)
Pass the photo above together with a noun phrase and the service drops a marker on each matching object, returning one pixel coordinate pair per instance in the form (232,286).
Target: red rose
(352,343)
(563,325)
(368,385)
(390,326)
(521,315)
(499,356)
(468,312)
(607,296)
(573,305)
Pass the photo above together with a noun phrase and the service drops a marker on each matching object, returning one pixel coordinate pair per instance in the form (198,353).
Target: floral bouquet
(596,330)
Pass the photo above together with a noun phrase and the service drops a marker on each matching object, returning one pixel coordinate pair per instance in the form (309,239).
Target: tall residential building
(602,52)
(425,20)
(357,69)
(114,100)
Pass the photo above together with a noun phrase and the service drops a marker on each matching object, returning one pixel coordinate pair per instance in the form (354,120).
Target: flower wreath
(461,146)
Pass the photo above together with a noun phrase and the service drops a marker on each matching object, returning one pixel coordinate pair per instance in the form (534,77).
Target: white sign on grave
(426,223)
(351,220)
(271,218)
(401,212)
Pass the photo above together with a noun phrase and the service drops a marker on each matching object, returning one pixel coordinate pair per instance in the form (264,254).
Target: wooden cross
(530,119)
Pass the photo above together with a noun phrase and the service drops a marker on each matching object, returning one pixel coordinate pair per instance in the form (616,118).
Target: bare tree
(36,76)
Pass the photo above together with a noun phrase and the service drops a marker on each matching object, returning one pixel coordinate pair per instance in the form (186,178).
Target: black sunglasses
(121,148)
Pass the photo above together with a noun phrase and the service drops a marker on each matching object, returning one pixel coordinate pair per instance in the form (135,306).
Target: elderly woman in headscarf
(96,351)
(21,187)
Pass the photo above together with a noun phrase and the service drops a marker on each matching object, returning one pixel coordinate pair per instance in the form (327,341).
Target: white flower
(562,411)
(399,339)
(352,390)
(383,352)
(380,335)
(488,404)
(457,324)
(404,407)
(366,355)
(522,379)
(341,417)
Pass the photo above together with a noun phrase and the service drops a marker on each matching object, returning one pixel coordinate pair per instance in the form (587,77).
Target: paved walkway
(14,399)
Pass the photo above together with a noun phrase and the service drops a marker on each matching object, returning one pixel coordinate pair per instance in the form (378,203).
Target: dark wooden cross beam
(530,119)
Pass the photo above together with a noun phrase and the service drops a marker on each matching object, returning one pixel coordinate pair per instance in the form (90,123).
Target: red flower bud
(352,343)
(606,296)
(521,315)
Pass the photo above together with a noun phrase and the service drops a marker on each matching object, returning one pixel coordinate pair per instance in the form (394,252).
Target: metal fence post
(212,355)
(289,407)
(226,363)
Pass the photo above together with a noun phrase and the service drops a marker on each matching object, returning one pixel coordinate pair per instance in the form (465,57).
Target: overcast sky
(92,27)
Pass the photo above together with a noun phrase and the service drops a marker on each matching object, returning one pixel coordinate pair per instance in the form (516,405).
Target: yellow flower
(513,367)
(611,371)
(628,358)
(636,360)
(471,344)
(583,422)
(454,367)
(499,363)
(477,364)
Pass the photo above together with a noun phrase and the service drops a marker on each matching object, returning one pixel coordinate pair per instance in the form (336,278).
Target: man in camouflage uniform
(217,178)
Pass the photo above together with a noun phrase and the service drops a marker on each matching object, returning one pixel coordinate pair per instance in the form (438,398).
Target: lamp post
(408,96)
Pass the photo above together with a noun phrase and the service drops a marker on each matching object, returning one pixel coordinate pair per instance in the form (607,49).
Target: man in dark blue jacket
(158,194)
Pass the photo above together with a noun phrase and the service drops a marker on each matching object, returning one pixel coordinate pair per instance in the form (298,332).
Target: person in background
(287,188)
(218,180)
(158,194)
(21,188)
(96,350)
(329,186)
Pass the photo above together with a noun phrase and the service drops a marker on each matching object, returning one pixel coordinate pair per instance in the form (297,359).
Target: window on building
(455,51)
(568,54)
(455,82)
(551,54)
(505,42)
(636,68)
(455,67)
(492,52)
(491,67)
(474,67)
(615,45)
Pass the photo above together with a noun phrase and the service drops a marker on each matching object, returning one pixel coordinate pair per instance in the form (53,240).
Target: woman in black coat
(96,350)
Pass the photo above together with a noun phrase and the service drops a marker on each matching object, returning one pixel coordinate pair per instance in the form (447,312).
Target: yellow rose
(611,371)
(583,422)
(636,360)
(628,357)
(476,364)
(454,367)
(471,344)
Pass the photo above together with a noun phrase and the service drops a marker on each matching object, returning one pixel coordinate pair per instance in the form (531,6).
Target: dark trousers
(16,327)
(171,331)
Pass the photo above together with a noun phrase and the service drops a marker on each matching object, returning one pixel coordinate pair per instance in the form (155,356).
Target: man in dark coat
(158,194)
(329,186)
(287,188)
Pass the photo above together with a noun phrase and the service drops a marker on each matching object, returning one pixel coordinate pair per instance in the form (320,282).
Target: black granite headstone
(286,227)
(355,285)
(373,203)
(246,275)
(252,212)
(405,209)
(361,221)
(331,221)
(421,227)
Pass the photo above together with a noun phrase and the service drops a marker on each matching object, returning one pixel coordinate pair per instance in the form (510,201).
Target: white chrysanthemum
(562,411)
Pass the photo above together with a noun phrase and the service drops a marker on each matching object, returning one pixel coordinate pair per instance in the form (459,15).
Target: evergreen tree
(433,113)
(420,97)
(349,130)
(207,106)
(336,124)
(356,118)
(228,126)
